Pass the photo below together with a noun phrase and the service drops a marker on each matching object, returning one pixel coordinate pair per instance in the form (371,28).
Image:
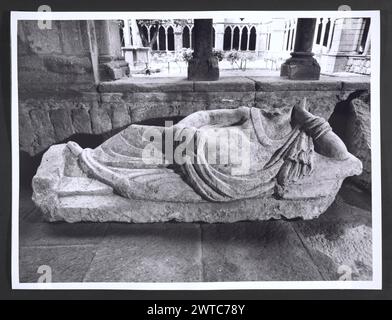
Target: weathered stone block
(120,116)
(81,120)
(67,64)
(71,37)
(144,110)
(226,84)
(62,123)
(300,67)
(358,138)
(44,135)
(42,40)
(321,103)
(202,69)
(272,84)
(111,97)
(26,131)
(100,119)
(141,85)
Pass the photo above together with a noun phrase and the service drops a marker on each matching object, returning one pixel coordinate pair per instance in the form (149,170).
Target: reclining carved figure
(225,165)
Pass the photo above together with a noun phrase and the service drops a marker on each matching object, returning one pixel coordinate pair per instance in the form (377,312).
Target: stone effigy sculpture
(221,165)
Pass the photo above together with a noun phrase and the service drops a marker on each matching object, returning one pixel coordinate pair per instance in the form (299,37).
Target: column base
(301,66)
(203,69)
(113,70)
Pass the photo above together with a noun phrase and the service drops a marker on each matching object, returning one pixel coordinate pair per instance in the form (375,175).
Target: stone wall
(46,119)
(54,59)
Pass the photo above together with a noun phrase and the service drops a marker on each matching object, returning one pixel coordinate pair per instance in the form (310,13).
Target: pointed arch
(288,40)
(244,39)
(236,38)
(162,38)
(153,31)
(186,38)
(252,39)
(192,38)
(144,35)
(319,29)
(227,39)
(292,39)
(170,38)
(213,37)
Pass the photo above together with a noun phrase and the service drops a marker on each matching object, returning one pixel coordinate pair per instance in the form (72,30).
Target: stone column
(260,39)
(204,65)
(302,65)
(178,38)
(219,35)
(127,33)
(136,39)
(112,64)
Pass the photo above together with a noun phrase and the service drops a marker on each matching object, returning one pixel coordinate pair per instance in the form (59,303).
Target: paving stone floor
(176,252)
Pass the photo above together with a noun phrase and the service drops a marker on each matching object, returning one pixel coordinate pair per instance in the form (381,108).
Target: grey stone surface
(203,65)
(40,233)
(67,263)
(340,238)
(26,130)
(302,65)
(101,119)
(358,138)
(120,115)
(148,253)
(43,130)
(53,59)
(320,103)
(62,123)
(116,208)
(226,84)
(141,85)
(301,68)
(255,251)
(273,84)
(81,120)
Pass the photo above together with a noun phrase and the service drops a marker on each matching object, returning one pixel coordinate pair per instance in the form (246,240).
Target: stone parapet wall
(46,119)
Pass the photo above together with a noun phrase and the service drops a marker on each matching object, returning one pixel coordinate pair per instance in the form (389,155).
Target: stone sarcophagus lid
(222,165)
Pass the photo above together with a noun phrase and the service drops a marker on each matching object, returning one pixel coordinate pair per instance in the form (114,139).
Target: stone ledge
(233,84)
(226,84)
(146,85)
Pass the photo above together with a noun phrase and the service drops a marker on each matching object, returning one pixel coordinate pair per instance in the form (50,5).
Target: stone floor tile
(343,236)
(160,252)
(357,197)
(68,264)
(247,251)
(26,204)
(60,233)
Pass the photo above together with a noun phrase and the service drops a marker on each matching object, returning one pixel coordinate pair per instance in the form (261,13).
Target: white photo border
(374,284)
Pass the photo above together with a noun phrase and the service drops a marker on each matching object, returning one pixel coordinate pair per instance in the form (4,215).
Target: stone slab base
(112,207)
